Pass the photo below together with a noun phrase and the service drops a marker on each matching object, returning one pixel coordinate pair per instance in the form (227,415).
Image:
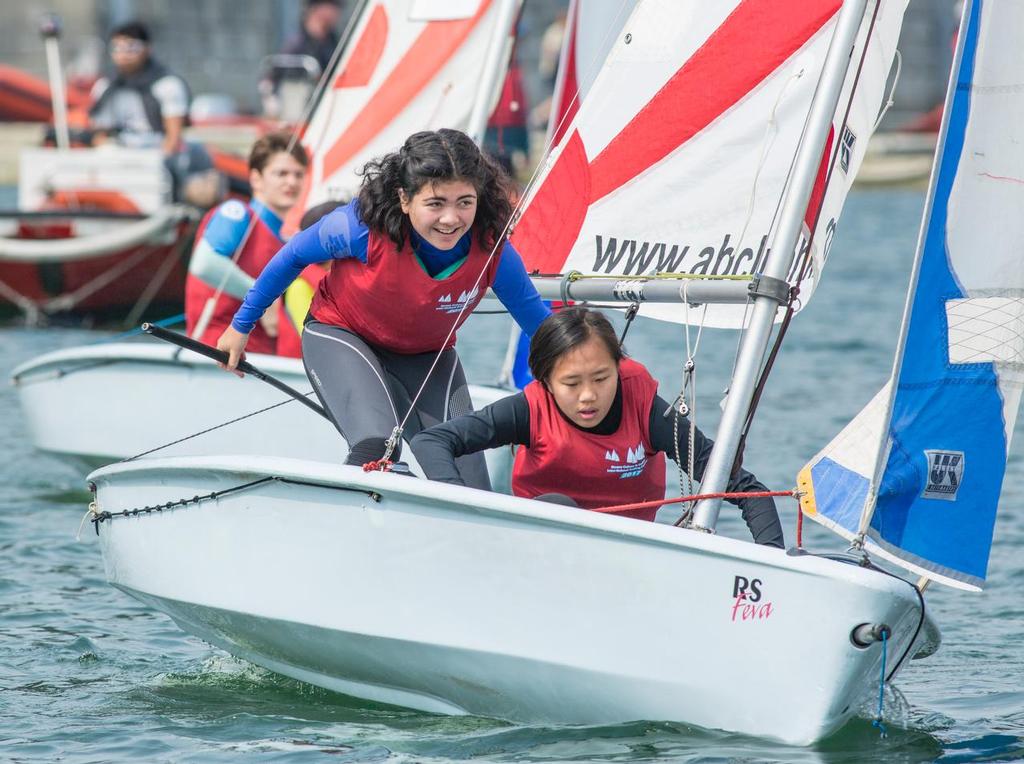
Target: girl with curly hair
(412,257)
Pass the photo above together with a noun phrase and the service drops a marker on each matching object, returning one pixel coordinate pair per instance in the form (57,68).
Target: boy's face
(128,54)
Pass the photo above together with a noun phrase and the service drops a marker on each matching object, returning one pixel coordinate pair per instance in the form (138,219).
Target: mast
(766,302)
(494,72)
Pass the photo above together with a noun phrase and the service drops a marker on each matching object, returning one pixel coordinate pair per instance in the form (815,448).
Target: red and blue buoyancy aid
(257,250)
(391,301)
(289,333)
(594,470)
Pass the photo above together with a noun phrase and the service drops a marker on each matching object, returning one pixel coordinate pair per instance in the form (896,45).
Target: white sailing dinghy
(454,600)
(407,65)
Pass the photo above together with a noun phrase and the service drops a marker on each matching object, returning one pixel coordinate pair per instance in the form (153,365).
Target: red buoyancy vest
(391,301)
(289,335)
(257,250)
(594,470)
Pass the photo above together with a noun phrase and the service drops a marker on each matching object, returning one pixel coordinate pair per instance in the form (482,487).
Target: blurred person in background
(142,104)
(318,36)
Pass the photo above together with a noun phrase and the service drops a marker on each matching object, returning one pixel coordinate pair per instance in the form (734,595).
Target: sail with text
(919,471)
(678,156)
(408,65)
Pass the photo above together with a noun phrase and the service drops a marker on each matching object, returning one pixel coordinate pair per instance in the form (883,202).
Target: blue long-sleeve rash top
(342,234)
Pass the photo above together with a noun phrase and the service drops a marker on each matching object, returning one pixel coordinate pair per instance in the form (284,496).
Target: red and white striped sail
(409,65)
(678,156)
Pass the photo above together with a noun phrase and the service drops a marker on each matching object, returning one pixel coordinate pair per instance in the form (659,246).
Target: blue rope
(132,332)
(881,689)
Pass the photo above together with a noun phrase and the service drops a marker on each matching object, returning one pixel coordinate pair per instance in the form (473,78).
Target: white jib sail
(678,156)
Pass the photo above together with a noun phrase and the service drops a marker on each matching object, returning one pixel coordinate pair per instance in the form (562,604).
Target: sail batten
(942,438)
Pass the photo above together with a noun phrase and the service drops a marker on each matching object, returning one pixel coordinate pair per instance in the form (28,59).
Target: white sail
(919,471)
(409,65)
(663,171)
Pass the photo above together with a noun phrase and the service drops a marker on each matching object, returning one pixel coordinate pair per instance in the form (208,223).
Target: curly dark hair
(439,156)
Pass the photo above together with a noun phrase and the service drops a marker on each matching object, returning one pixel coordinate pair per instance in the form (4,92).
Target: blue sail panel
(948,433)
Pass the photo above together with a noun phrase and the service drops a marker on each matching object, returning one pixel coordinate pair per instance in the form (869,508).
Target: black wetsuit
(508,422)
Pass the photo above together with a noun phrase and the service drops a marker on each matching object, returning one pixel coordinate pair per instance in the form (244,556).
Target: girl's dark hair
(265,148)
(438,156)
(566,330)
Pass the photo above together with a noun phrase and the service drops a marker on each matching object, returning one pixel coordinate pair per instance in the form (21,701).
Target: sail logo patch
(846,148)
(945,474)
(447,304)
(633,465)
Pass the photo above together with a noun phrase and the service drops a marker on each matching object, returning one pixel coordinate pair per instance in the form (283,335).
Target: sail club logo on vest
(634,464)
(446,304)
(632,257)
(748,603)
(945,474)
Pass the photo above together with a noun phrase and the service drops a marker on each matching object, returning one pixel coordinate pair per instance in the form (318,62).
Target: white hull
(102,403)
(453,600)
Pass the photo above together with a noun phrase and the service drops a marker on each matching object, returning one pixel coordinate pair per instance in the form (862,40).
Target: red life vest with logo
(391,301)
(289,334)
(257,250)
(594,470)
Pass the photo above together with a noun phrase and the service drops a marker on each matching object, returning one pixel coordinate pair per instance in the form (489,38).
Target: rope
(170,321)
(209,429)
(696,497)
(631,312)
(99,517)
(881,688)
(382,465)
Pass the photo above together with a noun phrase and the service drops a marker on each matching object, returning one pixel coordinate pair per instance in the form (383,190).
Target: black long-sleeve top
(507,422)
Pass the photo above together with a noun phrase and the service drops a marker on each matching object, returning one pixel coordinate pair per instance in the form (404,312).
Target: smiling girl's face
(441,212)
(583,383)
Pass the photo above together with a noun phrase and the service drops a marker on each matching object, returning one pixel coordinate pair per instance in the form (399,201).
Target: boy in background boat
(236,240)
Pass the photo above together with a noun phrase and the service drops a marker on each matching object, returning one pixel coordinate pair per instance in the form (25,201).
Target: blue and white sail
(918,473)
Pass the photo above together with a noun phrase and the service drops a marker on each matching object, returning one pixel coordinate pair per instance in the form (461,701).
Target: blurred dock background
(218,46)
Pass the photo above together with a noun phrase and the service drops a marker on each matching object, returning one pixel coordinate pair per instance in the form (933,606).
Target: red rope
(696,497)
(799,527)
(384,465)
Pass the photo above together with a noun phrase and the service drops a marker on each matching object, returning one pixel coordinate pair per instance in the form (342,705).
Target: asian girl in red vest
(412,256)
(591,429)
(235,241)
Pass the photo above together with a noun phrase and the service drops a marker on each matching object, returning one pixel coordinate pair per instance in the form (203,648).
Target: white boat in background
(462,601)
(109,402)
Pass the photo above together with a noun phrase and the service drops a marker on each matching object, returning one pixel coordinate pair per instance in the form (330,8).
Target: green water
(89,675)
